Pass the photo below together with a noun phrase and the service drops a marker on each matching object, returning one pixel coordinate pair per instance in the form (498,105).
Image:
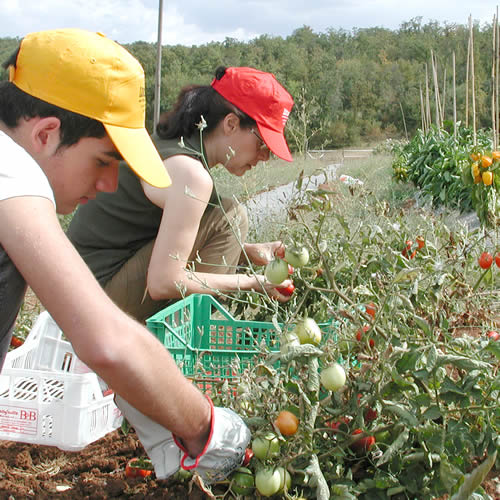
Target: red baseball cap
(261,97)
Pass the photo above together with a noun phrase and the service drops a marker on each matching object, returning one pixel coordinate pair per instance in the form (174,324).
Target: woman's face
(249,148)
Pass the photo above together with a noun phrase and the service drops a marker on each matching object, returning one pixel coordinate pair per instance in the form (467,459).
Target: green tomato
(308,332)
(268,481)
(333,377)
(276,271)
(242,481)
(266,447)
(285,479)
(297,256)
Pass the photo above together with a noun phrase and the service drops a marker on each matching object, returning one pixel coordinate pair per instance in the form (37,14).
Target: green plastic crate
(204,339)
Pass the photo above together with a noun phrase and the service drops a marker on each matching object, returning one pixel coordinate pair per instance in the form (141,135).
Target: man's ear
(231,124)
(45,135)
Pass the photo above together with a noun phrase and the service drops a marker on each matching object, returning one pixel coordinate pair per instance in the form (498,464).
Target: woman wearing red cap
(150,245)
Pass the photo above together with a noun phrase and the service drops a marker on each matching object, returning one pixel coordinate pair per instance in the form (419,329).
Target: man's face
(77,173)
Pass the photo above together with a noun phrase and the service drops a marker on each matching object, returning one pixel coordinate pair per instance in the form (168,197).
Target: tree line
(350,87)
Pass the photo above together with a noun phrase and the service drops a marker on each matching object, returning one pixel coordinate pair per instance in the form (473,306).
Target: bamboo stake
(422,110)
(454,99)
(497,59)
(493,104)
(427,98)
(404,121)
(473,90)
(436,91)
(467,82)
(443,102)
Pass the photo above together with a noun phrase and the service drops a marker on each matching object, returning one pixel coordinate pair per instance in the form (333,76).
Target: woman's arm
(184,203)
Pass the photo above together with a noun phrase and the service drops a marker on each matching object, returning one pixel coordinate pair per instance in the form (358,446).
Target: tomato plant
(485,260)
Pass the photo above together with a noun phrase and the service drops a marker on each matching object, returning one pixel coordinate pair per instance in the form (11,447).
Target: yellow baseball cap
(89,74)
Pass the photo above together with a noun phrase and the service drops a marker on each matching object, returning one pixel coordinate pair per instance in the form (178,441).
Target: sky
(197,22)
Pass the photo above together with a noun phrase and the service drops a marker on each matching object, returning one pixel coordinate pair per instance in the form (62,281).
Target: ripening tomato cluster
(411,249)
(486,260)
(278,270)
(483,166)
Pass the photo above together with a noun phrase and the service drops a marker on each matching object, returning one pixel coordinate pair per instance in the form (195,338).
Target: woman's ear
(231,124)
(45,135)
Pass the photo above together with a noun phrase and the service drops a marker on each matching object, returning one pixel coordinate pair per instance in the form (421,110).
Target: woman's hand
(260,254)
(271,289)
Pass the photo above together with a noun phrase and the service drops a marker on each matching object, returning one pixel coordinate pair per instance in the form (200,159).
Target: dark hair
(193,102)
(16,104)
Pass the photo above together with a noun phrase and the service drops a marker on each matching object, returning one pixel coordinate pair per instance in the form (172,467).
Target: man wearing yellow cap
(73,107)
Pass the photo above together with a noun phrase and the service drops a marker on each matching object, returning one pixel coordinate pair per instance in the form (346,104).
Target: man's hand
(225,449)
(158,442)
(223,452)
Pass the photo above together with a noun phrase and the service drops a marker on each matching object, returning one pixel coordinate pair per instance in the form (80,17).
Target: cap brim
(276,142)
(137,149)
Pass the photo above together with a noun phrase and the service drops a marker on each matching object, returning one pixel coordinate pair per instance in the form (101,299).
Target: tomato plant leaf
(401,412)
(423,325)
(462,362)
(394,447)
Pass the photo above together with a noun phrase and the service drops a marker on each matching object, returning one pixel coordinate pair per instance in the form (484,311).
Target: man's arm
(125,354)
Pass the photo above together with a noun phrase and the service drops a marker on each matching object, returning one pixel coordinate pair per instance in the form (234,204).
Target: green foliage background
(350,87)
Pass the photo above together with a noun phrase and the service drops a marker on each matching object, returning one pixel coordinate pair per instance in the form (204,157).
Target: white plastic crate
(49,397)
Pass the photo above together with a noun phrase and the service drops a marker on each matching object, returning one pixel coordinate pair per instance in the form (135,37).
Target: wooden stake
(473,90)
(443,102)
(436,91)
(467,82)
(427,98)
(454,99)
(497,59)
(493,85)
(404,121)
(422,110)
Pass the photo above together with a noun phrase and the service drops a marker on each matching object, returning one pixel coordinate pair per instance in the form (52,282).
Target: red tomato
(420,242)
(139,467)
(290,269)
(359,335)
(248,456)
(497,259)
(335,424)
(16,341)
(371,309)
(493,335)
(485,260)
(286,290)
(409,244)
(370,415)
(363,444)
